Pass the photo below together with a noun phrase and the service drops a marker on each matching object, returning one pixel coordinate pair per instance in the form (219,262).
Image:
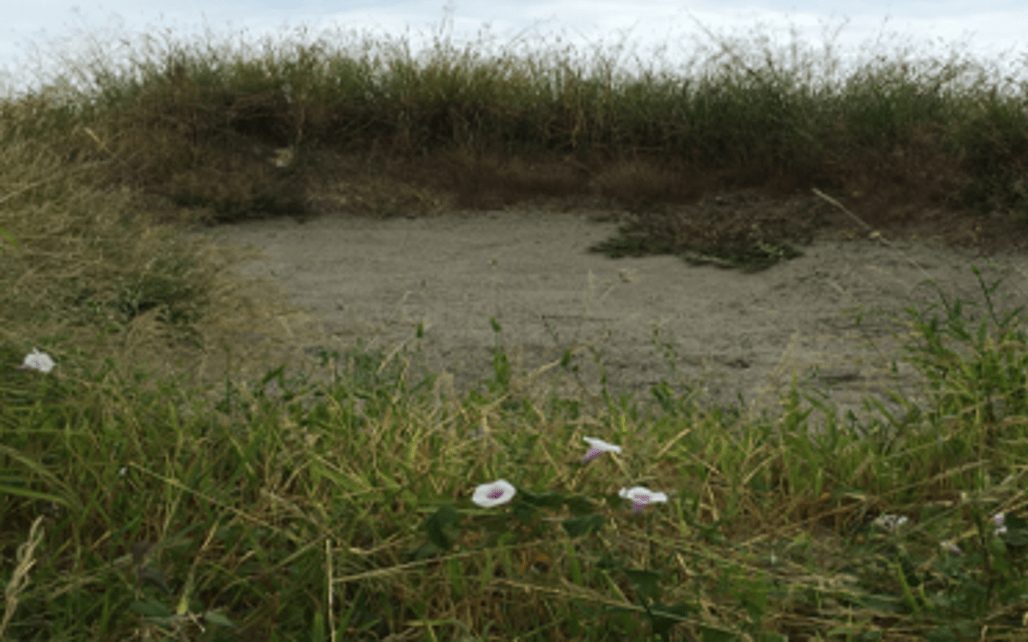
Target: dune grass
(165,481)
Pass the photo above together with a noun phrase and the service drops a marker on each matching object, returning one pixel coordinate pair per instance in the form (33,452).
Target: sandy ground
(373,281)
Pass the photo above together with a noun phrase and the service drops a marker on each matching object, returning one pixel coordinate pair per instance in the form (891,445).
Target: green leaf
(524,512)
(455,573)
(848,629)
(277,373)
(1017,530)
(437,523)
(710,634)
(213,617)
(942,634)
(318,626)
(579,505)
(30,494)
(154,576)
(579,526)
(424,552)
(46,477)
(543,500)
(664,616)
(884,603)
(10,237)
(645,582)
(565,360)
(150,608)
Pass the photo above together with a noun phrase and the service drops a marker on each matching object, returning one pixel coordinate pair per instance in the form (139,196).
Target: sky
(34,34)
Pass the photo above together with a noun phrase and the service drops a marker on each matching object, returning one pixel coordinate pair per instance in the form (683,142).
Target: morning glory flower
(999,519)
(1000,528)
(494,494)
(37,360)
(950,547)
(597,447)
(890,522)
(641,496)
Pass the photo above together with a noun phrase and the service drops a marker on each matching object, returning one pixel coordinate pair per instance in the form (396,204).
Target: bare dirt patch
(368,282)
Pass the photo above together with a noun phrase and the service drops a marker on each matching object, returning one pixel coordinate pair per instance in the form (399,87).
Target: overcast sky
(992,29)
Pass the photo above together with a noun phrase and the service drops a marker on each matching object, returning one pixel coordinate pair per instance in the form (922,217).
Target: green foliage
(183,119)
(281,507)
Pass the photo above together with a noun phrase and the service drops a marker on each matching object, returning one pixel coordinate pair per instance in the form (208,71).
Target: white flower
(40,361)
(950,547)
(597,447)
(494,494)
(1000,528)
(641,496)
(890,522)
(999,519)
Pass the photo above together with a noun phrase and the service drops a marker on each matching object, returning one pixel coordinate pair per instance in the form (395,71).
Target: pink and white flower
(494,494)
(597,447)
(890,522)
(37,360)
(641,496)
(999,521)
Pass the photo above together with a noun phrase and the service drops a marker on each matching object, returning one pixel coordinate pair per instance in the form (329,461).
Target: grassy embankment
(137,499)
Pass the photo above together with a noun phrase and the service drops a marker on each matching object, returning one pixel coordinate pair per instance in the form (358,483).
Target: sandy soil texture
(373,281)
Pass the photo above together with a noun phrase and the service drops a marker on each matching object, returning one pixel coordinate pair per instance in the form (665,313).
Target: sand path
(375,280)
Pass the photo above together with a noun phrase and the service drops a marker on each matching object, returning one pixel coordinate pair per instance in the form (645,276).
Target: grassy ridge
(489,126)
(145,492)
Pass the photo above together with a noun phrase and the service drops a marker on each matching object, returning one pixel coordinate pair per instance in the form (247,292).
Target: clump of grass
(136,499)
(200,122)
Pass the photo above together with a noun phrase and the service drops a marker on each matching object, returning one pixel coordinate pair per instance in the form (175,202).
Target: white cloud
(993,27)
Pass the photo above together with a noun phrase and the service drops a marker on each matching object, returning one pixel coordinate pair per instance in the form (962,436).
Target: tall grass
(137,499)
(492,123)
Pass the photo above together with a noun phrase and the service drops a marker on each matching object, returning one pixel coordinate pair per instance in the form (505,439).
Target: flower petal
(37,360)
(641,496)
(950,547)
(597,447)
(494,494)
(999,519)
(890,522)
